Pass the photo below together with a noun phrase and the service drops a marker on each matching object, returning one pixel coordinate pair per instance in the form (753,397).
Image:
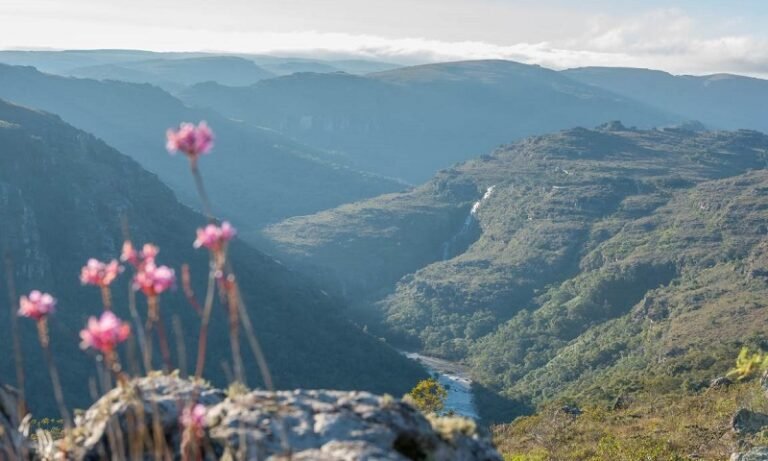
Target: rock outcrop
(142,416)
(748,422)
(755,454)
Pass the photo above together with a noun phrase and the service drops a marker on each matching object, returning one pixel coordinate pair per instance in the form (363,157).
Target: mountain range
(719,101)
(259,176)
(410,122)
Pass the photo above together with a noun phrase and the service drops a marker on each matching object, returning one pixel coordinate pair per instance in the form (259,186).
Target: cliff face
(65,196)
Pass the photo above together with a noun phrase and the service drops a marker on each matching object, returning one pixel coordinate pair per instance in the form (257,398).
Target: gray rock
(571,410)
(720,382)
(748,422)
(334,425)
(755,454)
(764,382)
(622,402)
(307,424)
(127,415)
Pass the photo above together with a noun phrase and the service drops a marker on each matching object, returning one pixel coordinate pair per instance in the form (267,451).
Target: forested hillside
(554,261)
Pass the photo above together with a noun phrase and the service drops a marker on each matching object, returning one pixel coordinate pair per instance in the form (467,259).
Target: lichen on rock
(318,425)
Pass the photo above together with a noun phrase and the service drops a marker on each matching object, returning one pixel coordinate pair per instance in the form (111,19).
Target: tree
(429,396)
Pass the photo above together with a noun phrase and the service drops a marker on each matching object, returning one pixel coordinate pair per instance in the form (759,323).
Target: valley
(574,253)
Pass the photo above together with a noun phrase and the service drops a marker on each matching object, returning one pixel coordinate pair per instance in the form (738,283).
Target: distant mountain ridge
(176,74)
(722,101)
(63,194)
(411,122)
(65,61)
(257,175)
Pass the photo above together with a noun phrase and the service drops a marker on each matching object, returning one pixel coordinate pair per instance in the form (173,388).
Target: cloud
(667,39)
(661,39)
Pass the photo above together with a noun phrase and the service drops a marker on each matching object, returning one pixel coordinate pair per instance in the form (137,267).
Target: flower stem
(233,304)
(17,351)
(207,210)
(145,355)
(42,333)
(165,350)
(189,293)
(106,297)
(203,340)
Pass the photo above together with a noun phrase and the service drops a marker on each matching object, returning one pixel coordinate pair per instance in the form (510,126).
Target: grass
(653,427)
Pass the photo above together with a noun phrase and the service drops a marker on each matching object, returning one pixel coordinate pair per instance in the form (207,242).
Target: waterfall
(468,225)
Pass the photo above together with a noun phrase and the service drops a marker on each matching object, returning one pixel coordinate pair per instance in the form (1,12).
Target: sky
(684,36)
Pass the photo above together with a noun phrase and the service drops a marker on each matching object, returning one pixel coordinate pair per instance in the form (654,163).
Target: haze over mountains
(288,178)
(63,197)
(722,101)
(180,69)
(480,211)
(408,123)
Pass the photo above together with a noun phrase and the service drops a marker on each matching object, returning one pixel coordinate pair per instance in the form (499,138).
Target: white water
(455,379)
(470,219)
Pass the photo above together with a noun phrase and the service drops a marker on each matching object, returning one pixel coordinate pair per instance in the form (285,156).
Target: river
(455,378)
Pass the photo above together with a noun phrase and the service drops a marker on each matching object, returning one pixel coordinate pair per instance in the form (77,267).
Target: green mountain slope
(62,196)
(523,276)
(410,122)
(675,334)
(257,177)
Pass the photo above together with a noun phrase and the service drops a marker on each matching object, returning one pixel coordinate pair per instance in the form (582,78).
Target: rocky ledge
(141,420)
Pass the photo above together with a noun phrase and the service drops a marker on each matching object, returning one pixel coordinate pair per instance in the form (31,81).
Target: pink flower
(104,333)
(129,254)
(190,139)
(137,258)
(36,305)
(149,252)
(214,237)
(193,419)
(153,280)
(100,274)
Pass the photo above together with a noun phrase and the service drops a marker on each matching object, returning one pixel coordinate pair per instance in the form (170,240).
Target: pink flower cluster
(190,139)
(104,333)
(193,419)
(98,273)
(150,278)
(153,280)
(214,237)
(136,258)
(36,305)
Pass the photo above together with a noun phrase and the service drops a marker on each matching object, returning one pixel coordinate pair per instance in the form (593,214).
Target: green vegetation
(652,427)
(428,396)
(605,261)
(748,365)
